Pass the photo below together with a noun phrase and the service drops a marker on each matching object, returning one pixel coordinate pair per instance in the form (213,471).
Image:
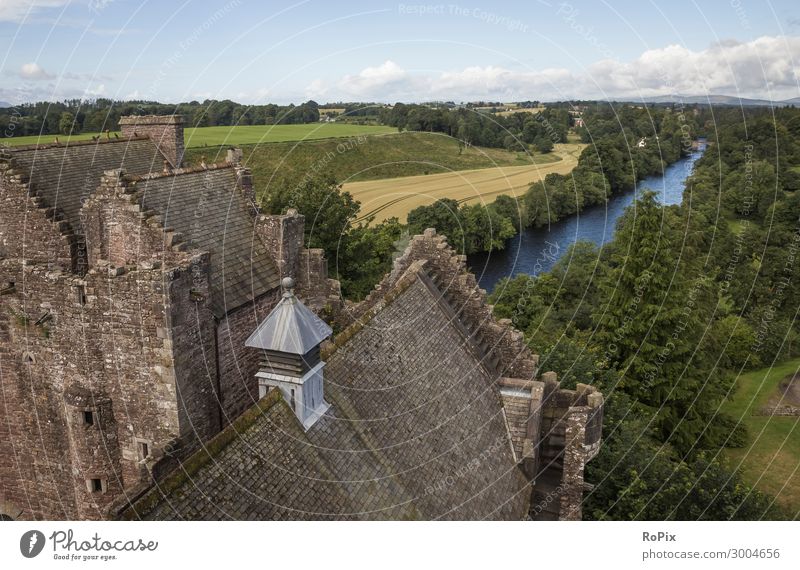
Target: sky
(279,52)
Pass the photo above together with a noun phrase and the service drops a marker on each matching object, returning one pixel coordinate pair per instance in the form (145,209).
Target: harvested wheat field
(396,197)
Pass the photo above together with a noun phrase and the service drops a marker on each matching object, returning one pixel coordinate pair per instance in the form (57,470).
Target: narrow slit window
(80,294)
(88,418)
(144,450)
(96,485)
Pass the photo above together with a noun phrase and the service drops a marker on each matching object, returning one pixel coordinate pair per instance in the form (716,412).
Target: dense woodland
(683,300)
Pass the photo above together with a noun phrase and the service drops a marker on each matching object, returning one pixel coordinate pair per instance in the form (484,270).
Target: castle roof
(211,214)
(416,430)
(290,327)
(64,175)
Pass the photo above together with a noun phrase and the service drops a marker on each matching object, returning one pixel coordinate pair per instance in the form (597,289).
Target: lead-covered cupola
(289,339)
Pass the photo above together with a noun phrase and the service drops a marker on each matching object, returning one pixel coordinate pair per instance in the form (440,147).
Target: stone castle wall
(69,343)
(238,364)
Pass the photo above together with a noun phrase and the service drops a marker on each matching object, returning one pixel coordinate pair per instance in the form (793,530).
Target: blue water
(536,250)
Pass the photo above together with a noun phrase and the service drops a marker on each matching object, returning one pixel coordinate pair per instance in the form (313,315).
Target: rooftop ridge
(180,171)
(403,283)
(68,144)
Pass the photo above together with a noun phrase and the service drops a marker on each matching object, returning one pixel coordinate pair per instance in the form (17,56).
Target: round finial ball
(287,283)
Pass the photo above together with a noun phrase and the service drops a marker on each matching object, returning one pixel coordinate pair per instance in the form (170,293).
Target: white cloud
(374,81)
(33,71)
(18,10)
(94,92)
(316,88)
(763,68)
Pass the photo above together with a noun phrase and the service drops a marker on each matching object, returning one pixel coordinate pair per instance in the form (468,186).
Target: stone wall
(119,231)
(66,341)
(237,363)
(784,411)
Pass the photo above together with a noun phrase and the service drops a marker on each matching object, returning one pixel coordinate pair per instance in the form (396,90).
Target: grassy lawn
(240,135)
(771,460)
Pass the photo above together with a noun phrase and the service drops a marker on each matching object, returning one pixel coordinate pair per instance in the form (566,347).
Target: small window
(95,485)
(80,295)
(144,450)
(88,418)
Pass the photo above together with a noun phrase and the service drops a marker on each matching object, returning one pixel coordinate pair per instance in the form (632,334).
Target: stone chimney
(166,131)
(283,236)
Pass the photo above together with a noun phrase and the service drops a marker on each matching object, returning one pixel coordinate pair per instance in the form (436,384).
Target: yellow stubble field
(396,197)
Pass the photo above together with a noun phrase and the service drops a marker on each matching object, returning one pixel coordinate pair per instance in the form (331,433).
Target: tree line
(513,132)
(76,115)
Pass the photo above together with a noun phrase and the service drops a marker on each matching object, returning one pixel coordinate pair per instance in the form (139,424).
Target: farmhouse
(164,354)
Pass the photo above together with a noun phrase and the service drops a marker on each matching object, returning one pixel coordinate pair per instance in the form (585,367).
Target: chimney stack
(166,131)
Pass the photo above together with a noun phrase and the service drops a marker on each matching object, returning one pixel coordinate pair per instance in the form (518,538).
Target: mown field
(396,197)
(366,158)
(771,459)
(238,135)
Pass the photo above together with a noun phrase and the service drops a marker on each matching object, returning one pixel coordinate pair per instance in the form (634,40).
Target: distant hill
(716,100)
(4,104)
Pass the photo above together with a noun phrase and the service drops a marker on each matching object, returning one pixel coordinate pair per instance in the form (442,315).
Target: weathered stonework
(121,340)
(166,131)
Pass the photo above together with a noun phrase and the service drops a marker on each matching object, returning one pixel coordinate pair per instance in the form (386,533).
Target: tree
(442,215)
(652,323)
(367,256)
(484,228)
(328,211)
(543,143)
(66,124)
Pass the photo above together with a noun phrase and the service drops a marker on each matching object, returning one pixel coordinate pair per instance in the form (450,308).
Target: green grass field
(771,459)
(214,136)
(240,135)
(367,158)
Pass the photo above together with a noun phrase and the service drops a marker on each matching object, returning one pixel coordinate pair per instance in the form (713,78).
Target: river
(536,250)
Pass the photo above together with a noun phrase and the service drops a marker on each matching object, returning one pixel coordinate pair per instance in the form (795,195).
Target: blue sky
(257,52)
